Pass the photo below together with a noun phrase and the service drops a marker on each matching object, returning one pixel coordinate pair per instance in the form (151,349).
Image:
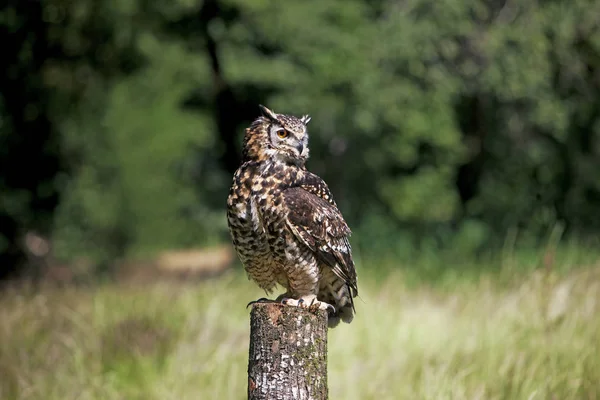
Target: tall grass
(536,336)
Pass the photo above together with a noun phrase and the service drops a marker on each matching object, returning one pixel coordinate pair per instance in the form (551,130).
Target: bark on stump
(288,353)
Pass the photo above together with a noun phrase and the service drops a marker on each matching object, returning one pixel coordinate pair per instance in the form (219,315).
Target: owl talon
(261,300)
(319,305)
(289,301)
(314,304)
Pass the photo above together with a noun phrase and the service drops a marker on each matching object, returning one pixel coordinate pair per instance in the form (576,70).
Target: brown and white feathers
(284,223)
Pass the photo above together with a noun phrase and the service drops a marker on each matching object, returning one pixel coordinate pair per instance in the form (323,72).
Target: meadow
(526,330)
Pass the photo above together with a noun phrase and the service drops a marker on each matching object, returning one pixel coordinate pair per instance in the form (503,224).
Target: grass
(535,336)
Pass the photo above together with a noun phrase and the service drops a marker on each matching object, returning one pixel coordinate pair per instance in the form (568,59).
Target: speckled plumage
(284,223)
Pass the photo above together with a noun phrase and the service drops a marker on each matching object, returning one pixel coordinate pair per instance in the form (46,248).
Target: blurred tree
(29,158)
(53,53)
(435,123)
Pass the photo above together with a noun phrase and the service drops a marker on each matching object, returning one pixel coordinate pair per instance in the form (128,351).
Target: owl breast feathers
(284,224)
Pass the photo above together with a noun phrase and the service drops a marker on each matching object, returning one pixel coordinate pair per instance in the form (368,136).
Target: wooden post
(288,353)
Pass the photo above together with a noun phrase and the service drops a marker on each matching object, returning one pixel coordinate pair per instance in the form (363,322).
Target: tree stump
(288,353)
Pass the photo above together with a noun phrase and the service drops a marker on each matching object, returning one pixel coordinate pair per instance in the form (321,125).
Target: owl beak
(300,148)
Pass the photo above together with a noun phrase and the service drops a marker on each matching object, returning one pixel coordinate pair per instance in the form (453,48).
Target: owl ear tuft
(305,119)
(268,113)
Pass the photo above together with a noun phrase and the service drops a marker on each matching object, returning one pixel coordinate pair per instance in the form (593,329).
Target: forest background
(437,124)
(461,140)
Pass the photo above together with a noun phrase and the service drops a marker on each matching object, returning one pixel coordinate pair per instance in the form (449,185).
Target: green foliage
(130,192)
(441,124)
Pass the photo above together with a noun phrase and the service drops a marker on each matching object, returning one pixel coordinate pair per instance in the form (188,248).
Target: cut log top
(288,353)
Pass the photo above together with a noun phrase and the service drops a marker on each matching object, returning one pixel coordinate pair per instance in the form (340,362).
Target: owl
(284,224)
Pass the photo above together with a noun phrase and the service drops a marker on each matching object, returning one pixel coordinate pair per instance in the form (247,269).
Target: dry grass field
(535,336)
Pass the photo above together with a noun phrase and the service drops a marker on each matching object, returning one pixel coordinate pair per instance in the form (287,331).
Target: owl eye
(282,133)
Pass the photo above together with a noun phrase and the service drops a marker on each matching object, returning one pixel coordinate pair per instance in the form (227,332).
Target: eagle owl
(284,223)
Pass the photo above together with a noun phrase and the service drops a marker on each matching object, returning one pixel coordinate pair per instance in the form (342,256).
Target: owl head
(277,136)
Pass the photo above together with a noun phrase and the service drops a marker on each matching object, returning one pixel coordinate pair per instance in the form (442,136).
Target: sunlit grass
(535,337)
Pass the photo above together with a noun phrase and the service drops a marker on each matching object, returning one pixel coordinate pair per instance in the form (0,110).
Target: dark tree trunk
(288,353)
(471,112)
(29,150)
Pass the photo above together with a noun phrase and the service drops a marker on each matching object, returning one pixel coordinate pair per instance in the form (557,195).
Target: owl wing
(315,220)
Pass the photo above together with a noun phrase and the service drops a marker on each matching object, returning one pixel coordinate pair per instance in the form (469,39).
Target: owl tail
(344,313)
(342,301)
